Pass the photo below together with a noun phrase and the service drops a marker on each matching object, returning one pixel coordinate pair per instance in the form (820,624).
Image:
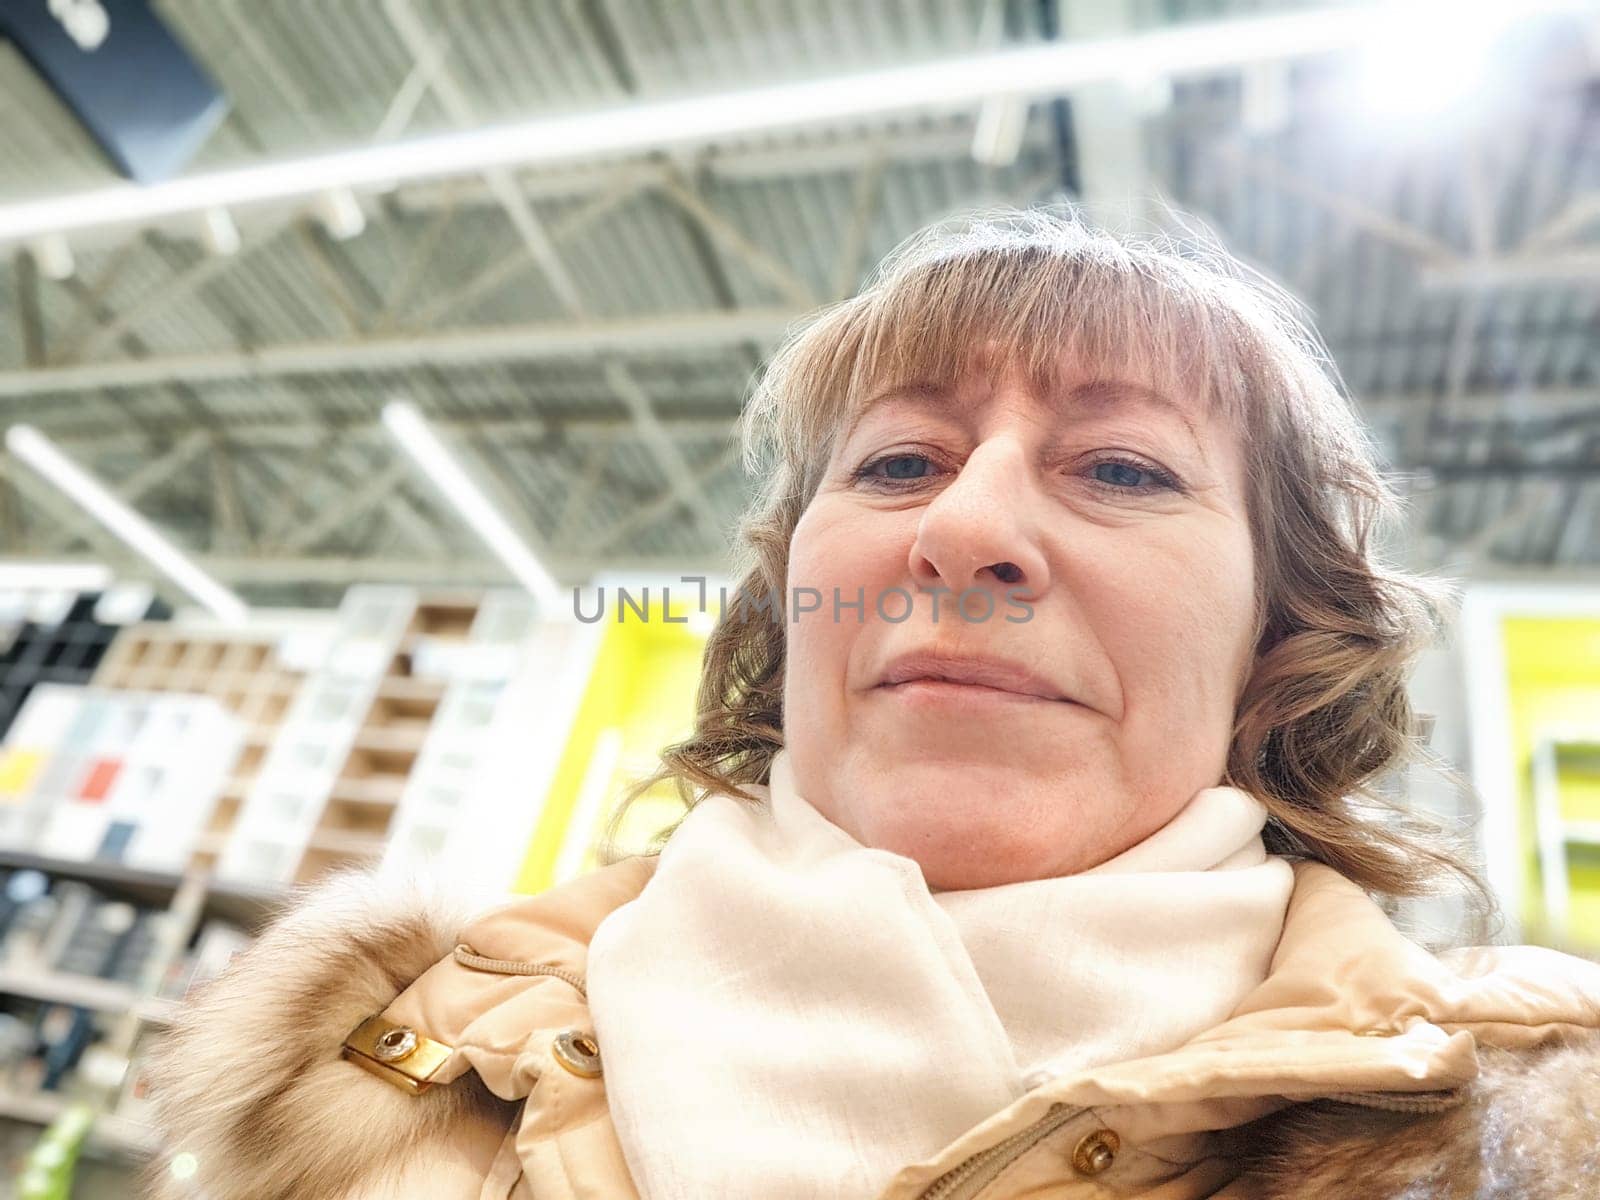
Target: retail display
(380,746)
(478,766)
(87,773)
(242,670)
(152,808)
(1534,703)
(53,636)
(639,676)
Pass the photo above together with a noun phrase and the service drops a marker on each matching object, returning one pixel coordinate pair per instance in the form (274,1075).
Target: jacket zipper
(967,1179)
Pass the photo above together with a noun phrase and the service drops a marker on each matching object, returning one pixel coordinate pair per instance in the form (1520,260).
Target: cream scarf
(784,1012)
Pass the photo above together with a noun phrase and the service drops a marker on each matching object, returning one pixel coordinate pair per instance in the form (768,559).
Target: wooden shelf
(57,987)
(356,845)
(384,790)
(406,738)
(116,1134)
(411,687)
(240,904)
(153,1010)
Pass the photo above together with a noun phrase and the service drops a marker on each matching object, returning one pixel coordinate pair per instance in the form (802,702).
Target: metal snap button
(1095,1151)
(395,1044)
(578,1053)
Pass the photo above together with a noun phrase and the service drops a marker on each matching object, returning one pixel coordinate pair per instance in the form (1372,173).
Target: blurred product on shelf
(271,753)
(48,1174)
(48,635)
(87,966)
(122,777)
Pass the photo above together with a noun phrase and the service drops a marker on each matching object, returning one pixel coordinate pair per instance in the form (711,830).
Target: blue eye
(1120,475)
(895,469)
(894,472)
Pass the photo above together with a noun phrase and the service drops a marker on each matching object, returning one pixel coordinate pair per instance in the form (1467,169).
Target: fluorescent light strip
(948,85)
(408,427)
(73,577)
(33,448)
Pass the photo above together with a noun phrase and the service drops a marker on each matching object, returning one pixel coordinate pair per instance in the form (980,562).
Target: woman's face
(1122,515)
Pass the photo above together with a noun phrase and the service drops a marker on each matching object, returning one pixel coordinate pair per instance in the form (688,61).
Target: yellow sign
(640,698)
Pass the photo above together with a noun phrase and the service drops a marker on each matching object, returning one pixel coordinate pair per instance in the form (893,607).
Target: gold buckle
(395,1053)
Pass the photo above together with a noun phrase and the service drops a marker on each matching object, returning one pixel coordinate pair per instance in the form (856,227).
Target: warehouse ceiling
(585,332)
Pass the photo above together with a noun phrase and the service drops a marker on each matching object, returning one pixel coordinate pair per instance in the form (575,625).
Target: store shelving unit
(335,777)
(111,1135)
(488,677)
(405,726)
(1555,755)
(317,762)
(126,1010)
(241,669)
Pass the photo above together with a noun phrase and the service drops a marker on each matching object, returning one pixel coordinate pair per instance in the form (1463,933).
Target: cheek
(1179,629)
(830,554)
(816,653)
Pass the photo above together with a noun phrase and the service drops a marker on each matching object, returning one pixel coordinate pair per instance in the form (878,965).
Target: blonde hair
(1324,716)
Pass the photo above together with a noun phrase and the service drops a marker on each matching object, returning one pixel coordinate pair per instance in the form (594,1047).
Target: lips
(1001,674)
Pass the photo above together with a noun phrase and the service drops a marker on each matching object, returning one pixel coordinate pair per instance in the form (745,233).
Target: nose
(979,532)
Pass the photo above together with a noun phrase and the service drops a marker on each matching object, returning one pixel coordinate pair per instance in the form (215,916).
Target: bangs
(1061,304)
(1052,317)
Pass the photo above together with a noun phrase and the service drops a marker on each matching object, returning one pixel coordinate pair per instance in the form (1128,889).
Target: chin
(960,850)
(977,871)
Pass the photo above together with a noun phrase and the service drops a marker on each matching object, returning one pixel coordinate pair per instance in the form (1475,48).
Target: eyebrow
(1097,394)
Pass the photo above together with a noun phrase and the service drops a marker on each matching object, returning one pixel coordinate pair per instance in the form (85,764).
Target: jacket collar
(1350,1009)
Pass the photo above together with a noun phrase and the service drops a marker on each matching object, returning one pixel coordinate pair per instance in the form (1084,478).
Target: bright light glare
(1432,59)
(408,427)
(33,448)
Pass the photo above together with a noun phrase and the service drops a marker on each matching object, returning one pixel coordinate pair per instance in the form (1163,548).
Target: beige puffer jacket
(367,1049)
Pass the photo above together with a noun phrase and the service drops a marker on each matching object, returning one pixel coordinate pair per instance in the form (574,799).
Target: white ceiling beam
(823,154)
(249,432)
(1182,50)
(506,343)
(1108,129)
(458,570)
(1576,266)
